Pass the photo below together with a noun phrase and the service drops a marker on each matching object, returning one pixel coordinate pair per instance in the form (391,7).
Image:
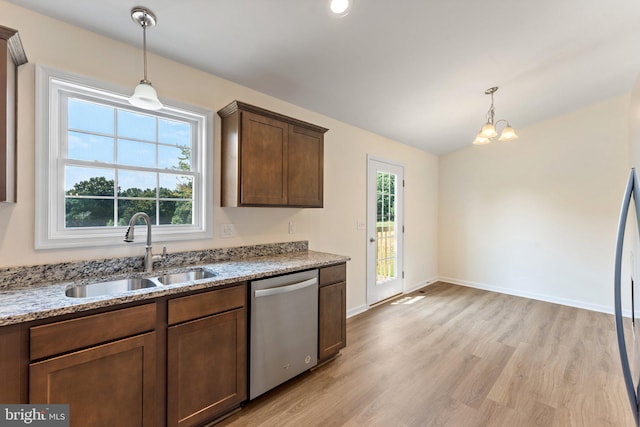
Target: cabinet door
(305,167)
(207,365)
(13,365)
(108,385)
(263,165)
(332,322)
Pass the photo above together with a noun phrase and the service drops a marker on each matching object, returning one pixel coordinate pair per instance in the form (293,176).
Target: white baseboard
(357,310)
(421,285)
(533,295)
(362,308)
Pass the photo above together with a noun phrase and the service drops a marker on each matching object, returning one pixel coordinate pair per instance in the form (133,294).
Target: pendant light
(144,96)
(488,131)
(340,8)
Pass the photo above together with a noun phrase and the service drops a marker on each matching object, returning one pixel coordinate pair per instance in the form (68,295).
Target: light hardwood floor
(455,356)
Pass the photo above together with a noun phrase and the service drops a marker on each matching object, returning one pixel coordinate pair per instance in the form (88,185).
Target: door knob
(372,239)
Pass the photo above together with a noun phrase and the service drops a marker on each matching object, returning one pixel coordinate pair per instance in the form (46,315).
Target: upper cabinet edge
(241,106)
(14,45)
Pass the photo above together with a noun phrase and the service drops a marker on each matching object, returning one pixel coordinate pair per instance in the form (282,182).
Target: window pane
(176,186)
(136,184)
(81,181)
(127,208)
(176,212)
(88,212)
(136,125)
(84,115)
(135,153)
(84,146)
(172,132)
(177,158)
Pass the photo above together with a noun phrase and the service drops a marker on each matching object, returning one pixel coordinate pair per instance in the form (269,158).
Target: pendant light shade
(481,140)
(144,95)
(508,134)
(489,131)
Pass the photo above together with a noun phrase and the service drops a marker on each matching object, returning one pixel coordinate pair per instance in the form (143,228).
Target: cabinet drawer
(333,274)
(200,305)
(60,337)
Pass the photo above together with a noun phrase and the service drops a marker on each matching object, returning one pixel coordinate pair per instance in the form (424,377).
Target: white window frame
(52,86)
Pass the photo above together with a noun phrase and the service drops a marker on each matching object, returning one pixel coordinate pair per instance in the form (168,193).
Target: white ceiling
(412,70)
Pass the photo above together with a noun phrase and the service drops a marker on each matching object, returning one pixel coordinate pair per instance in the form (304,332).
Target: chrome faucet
(149,257)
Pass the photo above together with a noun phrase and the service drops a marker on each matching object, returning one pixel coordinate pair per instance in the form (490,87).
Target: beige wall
(538,217)
(332,229)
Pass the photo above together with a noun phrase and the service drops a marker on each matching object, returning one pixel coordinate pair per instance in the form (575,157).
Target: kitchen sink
(186,276)
(109,288)
(134,283)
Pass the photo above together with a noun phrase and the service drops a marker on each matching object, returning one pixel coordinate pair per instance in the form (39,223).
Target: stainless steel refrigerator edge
(632,384)
(283,329)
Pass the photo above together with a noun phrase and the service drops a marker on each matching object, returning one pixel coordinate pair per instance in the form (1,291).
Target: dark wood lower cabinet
(119,367)
(13,364)
(332,328)
(107,385)
(207,368)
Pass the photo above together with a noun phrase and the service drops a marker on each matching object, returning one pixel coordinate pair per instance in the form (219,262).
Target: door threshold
(386,300)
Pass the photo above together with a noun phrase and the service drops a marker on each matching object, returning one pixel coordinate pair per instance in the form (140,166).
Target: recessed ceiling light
(340,8)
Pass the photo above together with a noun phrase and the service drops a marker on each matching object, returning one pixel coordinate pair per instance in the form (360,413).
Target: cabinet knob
(372,239)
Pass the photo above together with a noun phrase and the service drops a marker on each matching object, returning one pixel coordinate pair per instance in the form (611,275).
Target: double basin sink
(115,287)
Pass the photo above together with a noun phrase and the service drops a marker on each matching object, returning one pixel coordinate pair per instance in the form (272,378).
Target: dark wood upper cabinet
(269,159)
(11,55)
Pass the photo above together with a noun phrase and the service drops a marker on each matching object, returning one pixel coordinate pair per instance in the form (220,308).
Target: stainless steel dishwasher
(283,329)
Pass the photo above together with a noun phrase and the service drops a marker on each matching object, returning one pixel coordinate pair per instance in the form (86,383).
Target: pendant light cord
(490,113)
(144,44)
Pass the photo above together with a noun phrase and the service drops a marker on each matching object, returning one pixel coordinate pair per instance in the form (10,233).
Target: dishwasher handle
(284,289)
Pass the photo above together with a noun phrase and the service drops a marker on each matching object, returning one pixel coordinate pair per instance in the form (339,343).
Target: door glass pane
(386,260)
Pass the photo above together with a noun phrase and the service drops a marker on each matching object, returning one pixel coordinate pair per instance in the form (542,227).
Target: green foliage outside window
(91,202)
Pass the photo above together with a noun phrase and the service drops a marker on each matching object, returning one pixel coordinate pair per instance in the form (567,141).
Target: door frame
(371,249)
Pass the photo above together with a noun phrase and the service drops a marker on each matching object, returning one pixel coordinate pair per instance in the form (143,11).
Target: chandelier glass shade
(489,129)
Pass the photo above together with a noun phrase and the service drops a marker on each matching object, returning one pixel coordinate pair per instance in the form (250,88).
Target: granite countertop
(43,300)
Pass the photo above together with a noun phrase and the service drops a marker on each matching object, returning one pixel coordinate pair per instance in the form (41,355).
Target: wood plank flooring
(455,356)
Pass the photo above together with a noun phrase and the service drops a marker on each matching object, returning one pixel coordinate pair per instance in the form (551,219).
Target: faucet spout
(149,258)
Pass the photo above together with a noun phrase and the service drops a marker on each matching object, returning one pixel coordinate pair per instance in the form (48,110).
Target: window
(100,160)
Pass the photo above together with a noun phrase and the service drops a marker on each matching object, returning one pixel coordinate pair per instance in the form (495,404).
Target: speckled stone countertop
(24,302)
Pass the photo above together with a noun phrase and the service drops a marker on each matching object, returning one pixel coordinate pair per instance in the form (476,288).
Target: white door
(385,230)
